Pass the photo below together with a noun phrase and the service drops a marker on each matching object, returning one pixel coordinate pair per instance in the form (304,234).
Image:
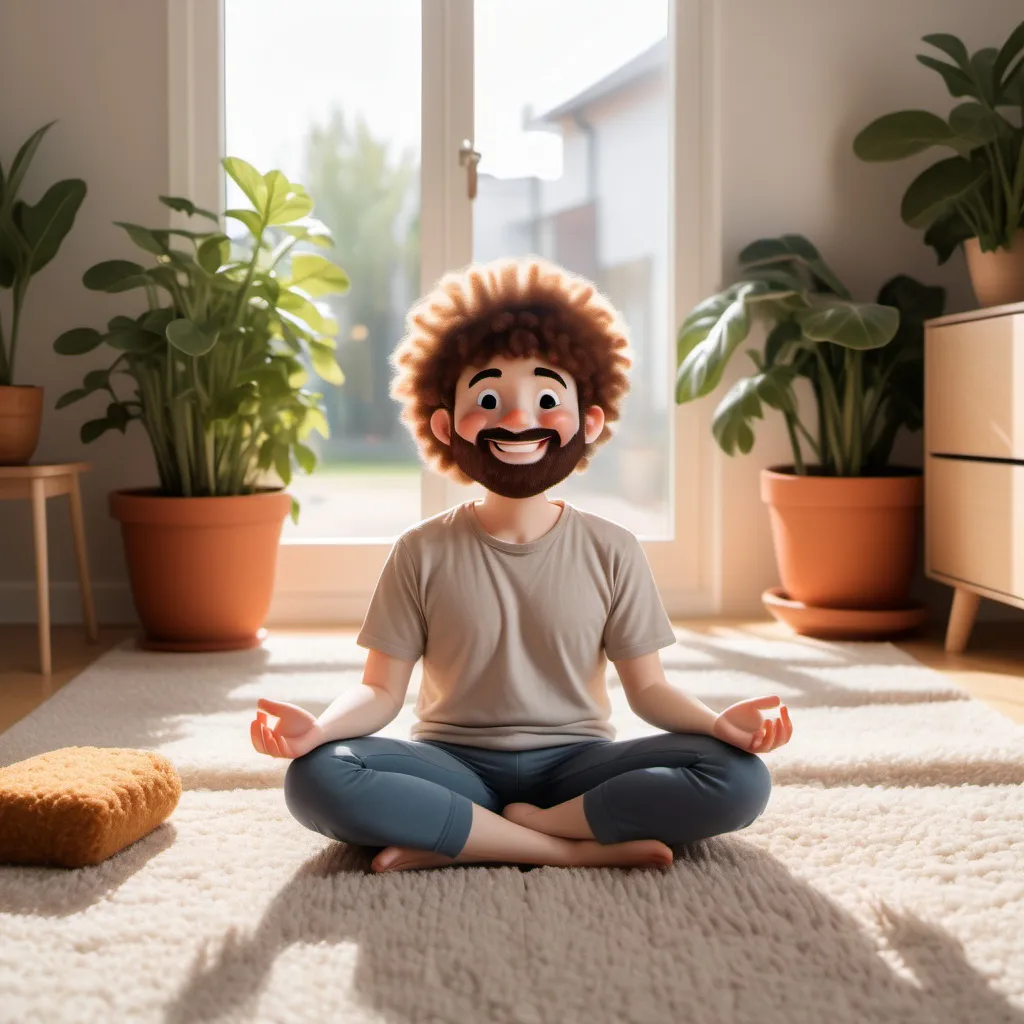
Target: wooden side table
(36,484)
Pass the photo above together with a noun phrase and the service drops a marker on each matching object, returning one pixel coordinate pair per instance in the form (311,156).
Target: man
(512,374)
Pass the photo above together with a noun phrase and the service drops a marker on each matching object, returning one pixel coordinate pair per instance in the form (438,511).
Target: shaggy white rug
(885,881)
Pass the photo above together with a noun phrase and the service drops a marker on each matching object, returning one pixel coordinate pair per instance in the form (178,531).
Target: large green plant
(978,192)
(29,238)
(864,361)
(220,359)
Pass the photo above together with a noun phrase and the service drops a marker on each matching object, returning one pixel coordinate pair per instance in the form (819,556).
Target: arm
(654,699)
(372,704)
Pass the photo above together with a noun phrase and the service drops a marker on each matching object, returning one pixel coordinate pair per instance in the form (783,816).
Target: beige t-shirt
(515,638)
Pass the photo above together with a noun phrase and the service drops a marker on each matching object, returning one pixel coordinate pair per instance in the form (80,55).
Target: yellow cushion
(79,805)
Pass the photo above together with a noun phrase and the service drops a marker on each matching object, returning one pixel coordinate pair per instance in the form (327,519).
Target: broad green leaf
(930,194)
(902,134)
(249,180)
(45,225)
(311,230)
(186,337)
(316,420)
(21,163)
(326,365)
(317,276)
(92,429)
(214,252)
(70,397)
(1013,45)
(306,458)
(145,238)
(285,202)
(249,218)
(299,306)
(957,82)
(856,325)
(117,416)
(780,339)
(96,379)
(294,511)
(976,124)
(1012,92)
(951,46)
(283,464)
(77,341)
(156,320)
(132,339)
(186,206)
(916,302)
(982,64)
(701,370)
(103,276)
(792,248)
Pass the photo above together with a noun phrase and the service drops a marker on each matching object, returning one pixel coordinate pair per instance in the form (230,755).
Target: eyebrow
(482,375)
(543,371)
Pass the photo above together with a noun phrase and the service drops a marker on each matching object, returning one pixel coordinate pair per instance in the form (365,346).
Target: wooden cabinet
(974,460)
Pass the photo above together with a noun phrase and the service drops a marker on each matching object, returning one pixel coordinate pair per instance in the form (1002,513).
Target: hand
(745,727)
(297,731)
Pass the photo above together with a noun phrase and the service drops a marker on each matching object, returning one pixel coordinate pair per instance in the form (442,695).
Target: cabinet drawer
(974,523)
(974,377)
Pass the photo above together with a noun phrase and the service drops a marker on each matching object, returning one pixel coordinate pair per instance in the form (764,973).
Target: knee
(749,784)
(317,780)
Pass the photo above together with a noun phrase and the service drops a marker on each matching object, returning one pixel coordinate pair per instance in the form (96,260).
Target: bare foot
(576,853)
(402,858)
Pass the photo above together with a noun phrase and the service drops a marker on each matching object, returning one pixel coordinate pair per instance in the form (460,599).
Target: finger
(276,707)
(257,740)
(787,722)
(271,742)
(762,702)
(769,736)
(756,742)
(261,717)
(285,746)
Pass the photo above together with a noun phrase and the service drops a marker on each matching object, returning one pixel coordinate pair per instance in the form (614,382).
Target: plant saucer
(843,623)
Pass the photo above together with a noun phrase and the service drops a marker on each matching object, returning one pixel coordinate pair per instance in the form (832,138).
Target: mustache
(501,434)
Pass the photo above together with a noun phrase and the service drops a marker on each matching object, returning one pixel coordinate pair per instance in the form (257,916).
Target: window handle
(469,158)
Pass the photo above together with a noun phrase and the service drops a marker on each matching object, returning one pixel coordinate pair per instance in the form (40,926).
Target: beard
(520,480)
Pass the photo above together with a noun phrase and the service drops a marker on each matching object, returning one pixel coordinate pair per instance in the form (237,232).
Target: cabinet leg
(42,573)
(81,557)
(961,619)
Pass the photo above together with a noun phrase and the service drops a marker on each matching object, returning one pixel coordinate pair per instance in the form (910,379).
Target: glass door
(571,107)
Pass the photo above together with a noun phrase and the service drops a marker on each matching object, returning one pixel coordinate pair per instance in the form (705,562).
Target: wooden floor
(992,668)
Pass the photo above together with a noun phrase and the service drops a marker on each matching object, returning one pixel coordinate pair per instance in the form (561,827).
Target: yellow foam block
(79,805)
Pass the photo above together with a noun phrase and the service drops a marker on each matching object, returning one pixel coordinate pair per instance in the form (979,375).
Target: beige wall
(795,80)
(100,67)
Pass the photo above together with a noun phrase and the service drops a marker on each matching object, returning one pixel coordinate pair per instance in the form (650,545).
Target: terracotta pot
(21,415)
(844,542)
(201,569)
(997,277)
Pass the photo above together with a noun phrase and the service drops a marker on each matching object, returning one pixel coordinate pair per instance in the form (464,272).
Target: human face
(517,425)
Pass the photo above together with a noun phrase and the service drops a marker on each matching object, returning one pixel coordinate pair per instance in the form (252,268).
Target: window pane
(574,133)
(340,113)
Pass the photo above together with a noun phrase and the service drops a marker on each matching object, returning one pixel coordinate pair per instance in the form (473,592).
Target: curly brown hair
(515,308)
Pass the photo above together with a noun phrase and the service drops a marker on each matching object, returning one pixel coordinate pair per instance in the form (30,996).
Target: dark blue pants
(378,791)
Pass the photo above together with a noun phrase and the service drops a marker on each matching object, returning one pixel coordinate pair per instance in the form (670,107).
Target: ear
(441,425)
(593,423)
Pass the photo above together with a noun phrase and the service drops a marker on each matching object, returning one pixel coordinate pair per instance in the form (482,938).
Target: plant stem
(18,298)
(831,413)
(794,440)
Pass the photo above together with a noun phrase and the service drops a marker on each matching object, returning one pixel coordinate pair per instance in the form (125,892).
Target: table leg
(961,619)
(42,573)
(82,558)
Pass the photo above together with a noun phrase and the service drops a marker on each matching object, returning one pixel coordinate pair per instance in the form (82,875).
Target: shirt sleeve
(394,622)
(637,622)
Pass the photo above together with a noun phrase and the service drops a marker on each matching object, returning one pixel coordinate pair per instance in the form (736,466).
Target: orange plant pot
(201,569)
(844,542)
(21,416)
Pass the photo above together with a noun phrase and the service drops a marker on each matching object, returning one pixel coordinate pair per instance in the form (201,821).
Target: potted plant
(219,364)
(30,237)
(975,197)
(844,521)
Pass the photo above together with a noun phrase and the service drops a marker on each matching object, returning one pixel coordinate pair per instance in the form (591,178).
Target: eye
(547,399)
(487,399)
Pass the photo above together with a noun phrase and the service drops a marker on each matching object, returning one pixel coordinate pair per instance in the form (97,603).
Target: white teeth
(511,447)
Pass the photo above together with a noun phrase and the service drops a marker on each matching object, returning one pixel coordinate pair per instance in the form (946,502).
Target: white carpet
(885,881)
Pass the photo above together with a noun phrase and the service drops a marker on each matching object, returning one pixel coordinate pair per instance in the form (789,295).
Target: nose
(514,419)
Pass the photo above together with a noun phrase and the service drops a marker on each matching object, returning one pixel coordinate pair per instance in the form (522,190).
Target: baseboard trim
(113,604)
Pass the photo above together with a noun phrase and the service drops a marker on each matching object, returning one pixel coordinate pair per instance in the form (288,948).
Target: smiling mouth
(519,447)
